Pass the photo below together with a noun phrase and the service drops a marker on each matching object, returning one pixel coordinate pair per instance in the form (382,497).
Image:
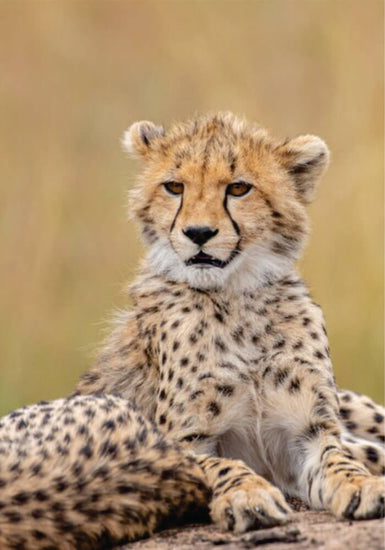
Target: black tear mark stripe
(177,214)
(235,225)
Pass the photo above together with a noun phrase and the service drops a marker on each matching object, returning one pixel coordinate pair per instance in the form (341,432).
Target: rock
(307,530)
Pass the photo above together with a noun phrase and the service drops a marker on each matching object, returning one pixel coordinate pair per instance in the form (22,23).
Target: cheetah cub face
(220,202)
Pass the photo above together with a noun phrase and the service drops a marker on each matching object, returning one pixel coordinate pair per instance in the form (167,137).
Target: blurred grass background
(74,74)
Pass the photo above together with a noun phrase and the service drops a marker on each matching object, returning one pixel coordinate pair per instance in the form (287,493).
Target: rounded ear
(305,158)
(139,137)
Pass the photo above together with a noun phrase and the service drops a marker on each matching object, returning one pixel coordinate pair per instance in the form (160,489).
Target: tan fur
(224,349)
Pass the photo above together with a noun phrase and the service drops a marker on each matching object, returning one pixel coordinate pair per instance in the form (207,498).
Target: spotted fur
(224,350)
(88,472)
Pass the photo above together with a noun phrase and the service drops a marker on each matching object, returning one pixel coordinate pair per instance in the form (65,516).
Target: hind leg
(90,471)
(361,416)
(368,453)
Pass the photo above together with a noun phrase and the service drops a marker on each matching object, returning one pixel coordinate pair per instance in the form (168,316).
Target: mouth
(205,260)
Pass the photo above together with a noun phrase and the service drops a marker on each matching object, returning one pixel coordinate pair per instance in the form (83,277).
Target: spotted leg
(362,417)
(368,453)
(241,500)
(302,437)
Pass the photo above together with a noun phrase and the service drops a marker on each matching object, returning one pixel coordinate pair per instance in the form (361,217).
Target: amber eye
(238,189)
(173,187)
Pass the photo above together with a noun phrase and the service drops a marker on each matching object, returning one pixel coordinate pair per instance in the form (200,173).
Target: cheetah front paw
(361,497)
(253,504)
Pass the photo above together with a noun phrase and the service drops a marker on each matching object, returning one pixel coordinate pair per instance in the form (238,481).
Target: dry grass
(75,73)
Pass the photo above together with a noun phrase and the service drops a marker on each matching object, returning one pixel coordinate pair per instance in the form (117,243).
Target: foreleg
(303,443)
(241,499)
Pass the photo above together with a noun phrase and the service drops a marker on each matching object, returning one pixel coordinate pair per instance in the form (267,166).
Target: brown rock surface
(307,530)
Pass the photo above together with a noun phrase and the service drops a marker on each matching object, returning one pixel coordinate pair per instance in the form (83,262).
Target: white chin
(245,272)
(206,277)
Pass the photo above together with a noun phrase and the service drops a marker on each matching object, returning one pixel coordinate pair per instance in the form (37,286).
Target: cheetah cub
(224,348)
(224,354)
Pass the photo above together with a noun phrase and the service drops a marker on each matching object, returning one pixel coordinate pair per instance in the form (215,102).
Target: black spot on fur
(21,424)
(280,376)
(276,214)
(295,385)
(237,335)
(279,344)
(371,454)
(298,345)
(41,496)
(266,371)
(372,430)
(86,451)
(37,513)
(214,408)
(13,517)
(255,338)
(351,425)
(109,425)
(195,394)
(220,345)
(162,395)
(219,317)
(61,484)
(21,498)
(314,429)
(225,389)
(345,413)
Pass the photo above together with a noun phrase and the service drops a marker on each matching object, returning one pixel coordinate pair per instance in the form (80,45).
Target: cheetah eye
(173,187)
(238,189)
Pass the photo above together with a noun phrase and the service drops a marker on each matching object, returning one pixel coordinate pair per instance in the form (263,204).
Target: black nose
(200,235)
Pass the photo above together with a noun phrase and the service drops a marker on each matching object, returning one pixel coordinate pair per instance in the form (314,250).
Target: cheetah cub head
(220,202)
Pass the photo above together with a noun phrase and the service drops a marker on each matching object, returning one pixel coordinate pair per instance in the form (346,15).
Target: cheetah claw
(360,498)
(242,510)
